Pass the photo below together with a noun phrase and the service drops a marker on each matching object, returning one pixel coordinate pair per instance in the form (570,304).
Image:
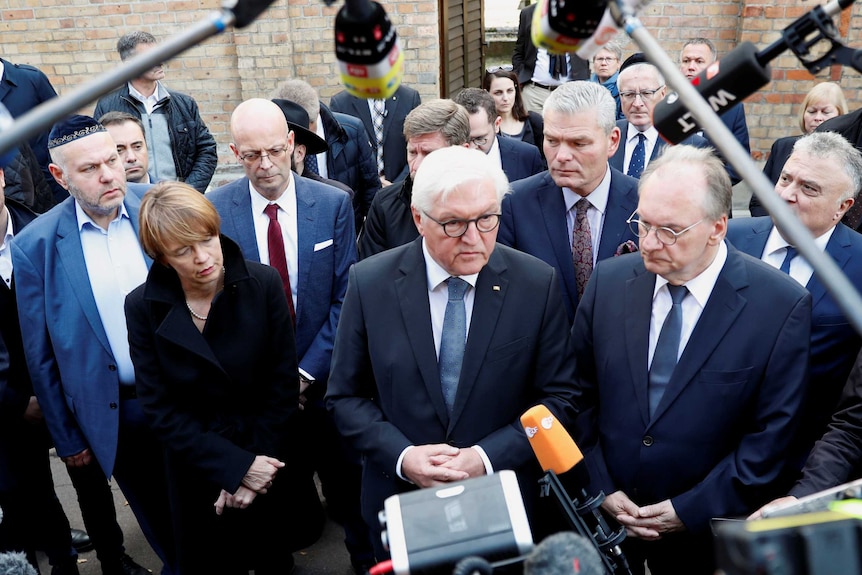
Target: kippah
(73,128)
(636,58)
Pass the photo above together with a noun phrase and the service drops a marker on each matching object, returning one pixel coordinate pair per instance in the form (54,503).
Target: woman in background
(502,84)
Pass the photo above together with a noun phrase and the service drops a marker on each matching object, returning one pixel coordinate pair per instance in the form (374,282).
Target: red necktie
(277,259)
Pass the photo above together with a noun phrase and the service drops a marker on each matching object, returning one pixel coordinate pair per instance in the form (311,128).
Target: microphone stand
(240,13)
(795,232)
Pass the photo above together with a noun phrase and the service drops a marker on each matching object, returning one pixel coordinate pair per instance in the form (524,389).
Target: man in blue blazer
(418,422)
(828,163)
(692,364)
(396,107)
(539,216)
(641,86)
(316,228)
(518,159)
(73,267)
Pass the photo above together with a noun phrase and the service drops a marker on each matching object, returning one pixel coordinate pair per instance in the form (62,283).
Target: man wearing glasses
(444,342)
(641,86)
(692,361)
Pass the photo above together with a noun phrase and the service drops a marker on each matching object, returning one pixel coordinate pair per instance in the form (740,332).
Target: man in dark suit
(73,267)
(390,150)
(543,216)
(828,163)
(431,126)
(422,406)
(317,240)
(32,515)
(640,87)
(518,159)
(692,361)
(696,55)
(540,73)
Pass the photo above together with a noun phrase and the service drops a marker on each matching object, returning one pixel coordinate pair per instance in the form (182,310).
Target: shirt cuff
(489,469)
(306,375)
(400,461)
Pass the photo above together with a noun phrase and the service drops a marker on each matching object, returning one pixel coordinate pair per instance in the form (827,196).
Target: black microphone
(370,60)
(561,26)
(564,553)
(246,11)
(744,70)
(15,564)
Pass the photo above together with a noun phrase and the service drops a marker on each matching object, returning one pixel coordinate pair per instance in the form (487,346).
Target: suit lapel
(620,207)
(363,113)
(657,149)
(242,222)
(723,307)
(487,305)
(553,208)
(177,329)
(839,248)
(412,295)
(638,308)
(306,216)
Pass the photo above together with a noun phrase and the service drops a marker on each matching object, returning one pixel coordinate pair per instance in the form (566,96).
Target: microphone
(564,553)
(557,452)
(561,26)
(744,70)
(15,564)
(370,60)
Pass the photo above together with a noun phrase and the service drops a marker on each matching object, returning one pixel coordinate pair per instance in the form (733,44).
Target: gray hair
(445,117)
(445,169)
(128,42)
(302,93)
(719,194)
(614,48)
(699,41)
(582,96)
(832,145)
(642,67)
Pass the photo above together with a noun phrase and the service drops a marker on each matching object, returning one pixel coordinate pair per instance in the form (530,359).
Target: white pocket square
(322,245)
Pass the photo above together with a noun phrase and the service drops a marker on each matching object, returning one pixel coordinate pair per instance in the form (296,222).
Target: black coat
(216,400)
(390,221)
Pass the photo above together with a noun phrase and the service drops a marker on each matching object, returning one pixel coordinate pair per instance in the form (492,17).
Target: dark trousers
(675,554)
(97,510)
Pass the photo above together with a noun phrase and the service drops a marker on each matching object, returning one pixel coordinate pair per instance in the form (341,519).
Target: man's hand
(384,182)
(660,517)
(468,461)
(261,474)
(239,500)
(426,465)
(79,459)
(776,503)
(626,512)
(33,413)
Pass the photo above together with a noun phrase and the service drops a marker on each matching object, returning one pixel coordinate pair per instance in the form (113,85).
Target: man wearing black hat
(73,267)
(305,230)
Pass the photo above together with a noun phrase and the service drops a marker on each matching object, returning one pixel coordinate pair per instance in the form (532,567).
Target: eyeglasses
(251,158)
(605,60)
(481,141)
(506,68)
(662,233)
(457,228)
(644,94)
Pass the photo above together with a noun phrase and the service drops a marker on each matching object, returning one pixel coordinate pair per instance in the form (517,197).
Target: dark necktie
(636,164)
(379,114)
(277,259)
(311,164)
(788,257)
(453,340)
(582,246)
(557,66)
(667,349)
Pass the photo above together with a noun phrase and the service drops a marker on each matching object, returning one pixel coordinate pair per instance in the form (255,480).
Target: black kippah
(71,129)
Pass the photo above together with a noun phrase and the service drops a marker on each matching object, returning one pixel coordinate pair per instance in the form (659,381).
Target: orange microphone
(554,447)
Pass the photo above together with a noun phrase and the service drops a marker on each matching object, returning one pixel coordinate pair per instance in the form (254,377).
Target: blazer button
(112,367)
(113,405)
(648,440)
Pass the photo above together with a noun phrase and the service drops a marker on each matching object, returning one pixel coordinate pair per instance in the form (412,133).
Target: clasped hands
(650,522)
(258,479)
(439,463)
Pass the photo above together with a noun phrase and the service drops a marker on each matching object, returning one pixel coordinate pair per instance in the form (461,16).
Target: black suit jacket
(778,155)
(525,53)
(384,386)
(398,106)
(519,159)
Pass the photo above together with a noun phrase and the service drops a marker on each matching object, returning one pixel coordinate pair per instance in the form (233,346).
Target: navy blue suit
(734,119)
(718,438)
(618,159)
(834,342)
(534,221)
(519,159)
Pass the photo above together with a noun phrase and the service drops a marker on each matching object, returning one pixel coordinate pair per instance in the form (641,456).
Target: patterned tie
(582,246)
(379,114)
(311,164)
(277,259)
(667,349)
(788,257)
(453,340)
(636,164)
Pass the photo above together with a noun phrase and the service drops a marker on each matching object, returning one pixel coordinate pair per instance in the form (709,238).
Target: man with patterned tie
(304,229)
(819,182)
(574,213)
(444,342)
(692,361)
(641,86)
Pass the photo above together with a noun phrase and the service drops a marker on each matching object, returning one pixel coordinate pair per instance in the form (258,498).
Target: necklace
(195,314)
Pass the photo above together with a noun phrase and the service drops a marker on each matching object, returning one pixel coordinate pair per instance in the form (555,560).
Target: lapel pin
(495,288)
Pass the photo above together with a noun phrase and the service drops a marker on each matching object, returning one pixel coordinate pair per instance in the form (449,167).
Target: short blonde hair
(175,212)
(823,92)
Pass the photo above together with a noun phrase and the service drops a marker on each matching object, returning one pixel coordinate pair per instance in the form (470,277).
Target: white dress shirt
(776,248)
